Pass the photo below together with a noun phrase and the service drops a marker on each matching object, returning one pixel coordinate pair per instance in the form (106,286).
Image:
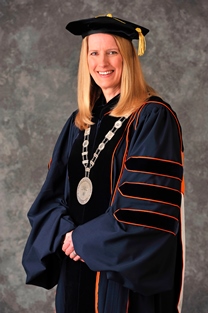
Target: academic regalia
(130,233)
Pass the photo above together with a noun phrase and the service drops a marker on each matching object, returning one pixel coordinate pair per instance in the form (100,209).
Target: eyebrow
(113,48)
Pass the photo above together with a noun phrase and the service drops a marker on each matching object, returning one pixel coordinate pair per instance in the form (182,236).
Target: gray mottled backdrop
(38,66)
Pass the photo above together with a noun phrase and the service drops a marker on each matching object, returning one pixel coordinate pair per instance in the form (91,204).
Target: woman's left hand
(68,247)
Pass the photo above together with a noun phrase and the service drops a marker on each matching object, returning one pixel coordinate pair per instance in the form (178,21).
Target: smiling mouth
(105,73)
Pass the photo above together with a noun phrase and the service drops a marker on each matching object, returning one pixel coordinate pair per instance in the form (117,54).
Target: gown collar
(101,107)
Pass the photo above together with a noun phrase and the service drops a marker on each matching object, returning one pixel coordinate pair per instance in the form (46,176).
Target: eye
(113,52)
(93,53)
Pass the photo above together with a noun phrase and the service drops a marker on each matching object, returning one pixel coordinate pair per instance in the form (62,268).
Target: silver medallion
(84,190)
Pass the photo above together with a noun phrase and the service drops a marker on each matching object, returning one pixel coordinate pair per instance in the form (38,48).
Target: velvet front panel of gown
(76,287)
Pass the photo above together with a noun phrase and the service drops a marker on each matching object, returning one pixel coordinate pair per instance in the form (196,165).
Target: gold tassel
(142,42)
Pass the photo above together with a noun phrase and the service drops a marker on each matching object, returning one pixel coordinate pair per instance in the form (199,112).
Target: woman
(107,225)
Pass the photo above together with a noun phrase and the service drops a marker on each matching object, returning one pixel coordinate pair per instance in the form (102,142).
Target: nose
(103,59)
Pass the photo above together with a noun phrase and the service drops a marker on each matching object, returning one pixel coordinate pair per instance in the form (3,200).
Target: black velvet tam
(106,24)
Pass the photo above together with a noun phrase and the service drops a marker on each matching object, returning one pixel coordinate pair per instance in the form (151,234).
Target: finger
(69,251)
(76,258)
(64,246)
(67,246)
(73,255)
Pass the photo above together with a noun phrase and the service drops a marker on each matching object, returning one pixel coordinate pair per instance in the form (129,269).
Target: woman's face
(105,63)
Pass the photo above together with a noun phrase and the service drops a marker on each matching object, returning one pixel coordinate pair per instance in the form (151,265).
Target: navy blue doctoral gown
(130,234)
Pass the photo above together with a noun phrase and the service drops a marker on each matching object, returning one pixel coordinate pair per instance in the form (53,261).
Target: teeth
(105,73)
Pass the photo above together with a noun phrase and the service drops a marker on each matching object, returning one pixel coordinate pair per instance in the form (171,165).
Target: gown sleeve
(48,217)
(137,240)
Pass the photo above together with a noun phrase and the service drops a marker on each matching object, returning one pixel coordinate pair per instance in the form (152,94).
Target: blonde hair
(134,89)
